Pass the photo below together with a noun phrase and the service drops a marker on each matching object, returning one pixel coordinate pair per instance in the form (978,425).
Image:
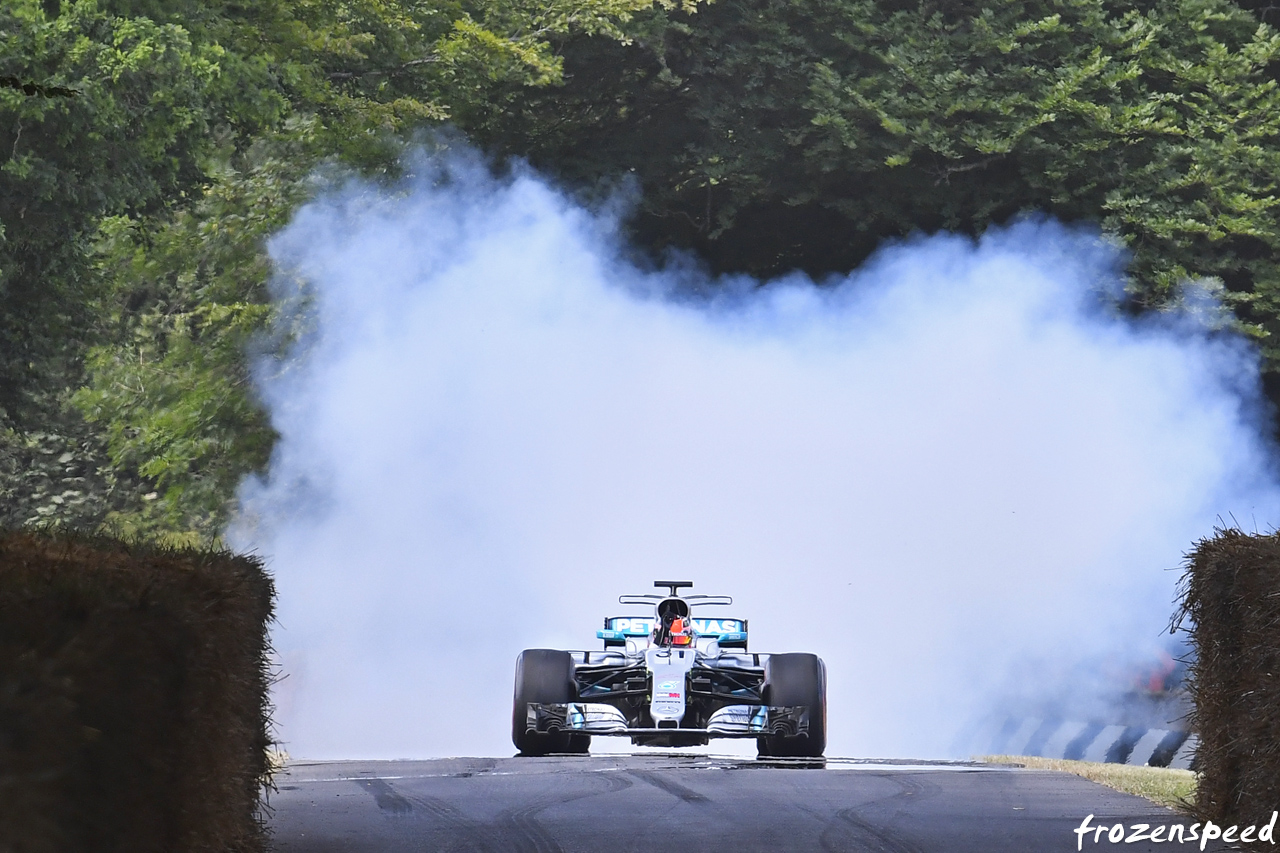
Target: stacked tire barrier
(133,697)
(1231,598)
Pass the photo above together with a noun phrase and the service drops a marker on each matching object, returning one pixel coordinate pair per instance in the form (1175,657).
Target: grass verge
(1164,786)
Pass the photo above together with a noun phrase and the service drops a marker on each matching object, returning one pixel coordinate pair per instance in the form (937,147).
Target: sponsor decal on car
(631,627)
(717,626)
(642,627)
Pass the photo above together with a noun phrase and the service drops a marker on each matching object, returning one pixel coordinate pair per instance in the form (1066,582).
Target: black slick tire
(544,676)
(796,679)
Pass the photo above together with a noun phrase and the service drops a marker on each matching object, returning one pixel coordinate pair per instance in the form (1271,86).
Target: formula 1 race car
(670,680)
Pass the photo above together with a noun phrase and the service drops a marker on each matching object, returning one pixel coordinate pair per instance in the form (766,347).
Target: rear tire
(544,676)
(796,679)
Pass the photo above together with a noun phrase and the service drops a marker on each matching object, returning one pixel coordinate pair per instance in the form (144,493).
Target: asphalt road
(686,802)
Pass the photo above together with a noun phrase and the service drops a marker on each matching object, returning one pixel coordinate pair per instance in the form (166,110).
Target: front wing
(730,721)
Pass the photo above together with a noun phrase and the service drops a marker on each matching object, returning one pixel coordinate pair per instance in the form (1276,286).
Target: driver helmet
(681,633)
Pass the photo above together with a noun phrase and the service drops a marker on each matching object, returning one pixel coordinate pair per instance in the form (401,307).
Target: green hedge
(1231,597)
(133,697)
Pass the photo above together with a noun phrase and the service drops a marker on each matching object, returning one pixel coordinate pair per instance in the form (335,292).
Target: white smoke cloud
(947,464)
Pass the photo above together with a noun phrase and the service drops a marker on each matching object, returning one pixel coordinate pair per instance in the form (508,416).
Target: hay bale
(1231,597)
(133,696)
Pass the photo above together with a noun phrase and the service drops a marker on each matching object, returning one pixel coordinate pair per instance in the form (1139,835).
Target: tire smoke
(953,470)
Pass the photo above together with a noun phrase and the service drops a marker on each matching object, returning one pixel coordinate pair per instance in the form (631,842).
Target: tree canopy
(772,135)
(150,148)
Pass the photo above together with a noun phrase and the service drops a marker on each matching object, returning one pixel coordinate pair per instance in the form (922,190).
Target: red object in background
(1158,678)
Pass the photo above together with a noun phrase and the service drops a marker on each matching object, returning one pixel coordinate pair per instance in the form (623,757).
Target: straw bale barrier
(133,697)
(1231,597)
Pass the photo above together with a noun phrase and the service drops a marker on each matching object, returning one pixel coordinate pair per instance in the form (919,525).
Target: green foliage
(771,135)
(1162,125)
(57,476)
(127,142)
(148,148)
(134,214)
(172,391)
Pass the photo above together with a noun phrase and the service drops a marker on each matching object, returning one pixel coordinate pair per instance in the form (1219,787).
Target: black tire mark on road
(385,796)
(464,832)
(675,789)
(523,833)
(865,837)
(852,830)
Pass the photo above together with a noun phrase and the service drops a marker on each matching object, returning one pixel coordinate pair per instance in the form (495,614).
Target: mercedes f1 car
(669,679)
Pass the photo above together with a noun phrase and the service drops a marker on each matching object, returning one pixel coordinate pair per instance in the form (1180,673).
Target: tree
(100,116)
(151,146)
(124,141)
(770,135)
(193,134)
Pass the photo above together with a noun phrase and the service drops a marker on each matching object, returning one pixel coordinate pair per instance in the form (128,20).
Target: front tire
(544,676)
(796,679)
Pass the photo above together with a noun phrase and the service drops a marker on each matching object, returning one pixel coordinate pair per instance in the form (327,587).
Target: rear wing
(731,633)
